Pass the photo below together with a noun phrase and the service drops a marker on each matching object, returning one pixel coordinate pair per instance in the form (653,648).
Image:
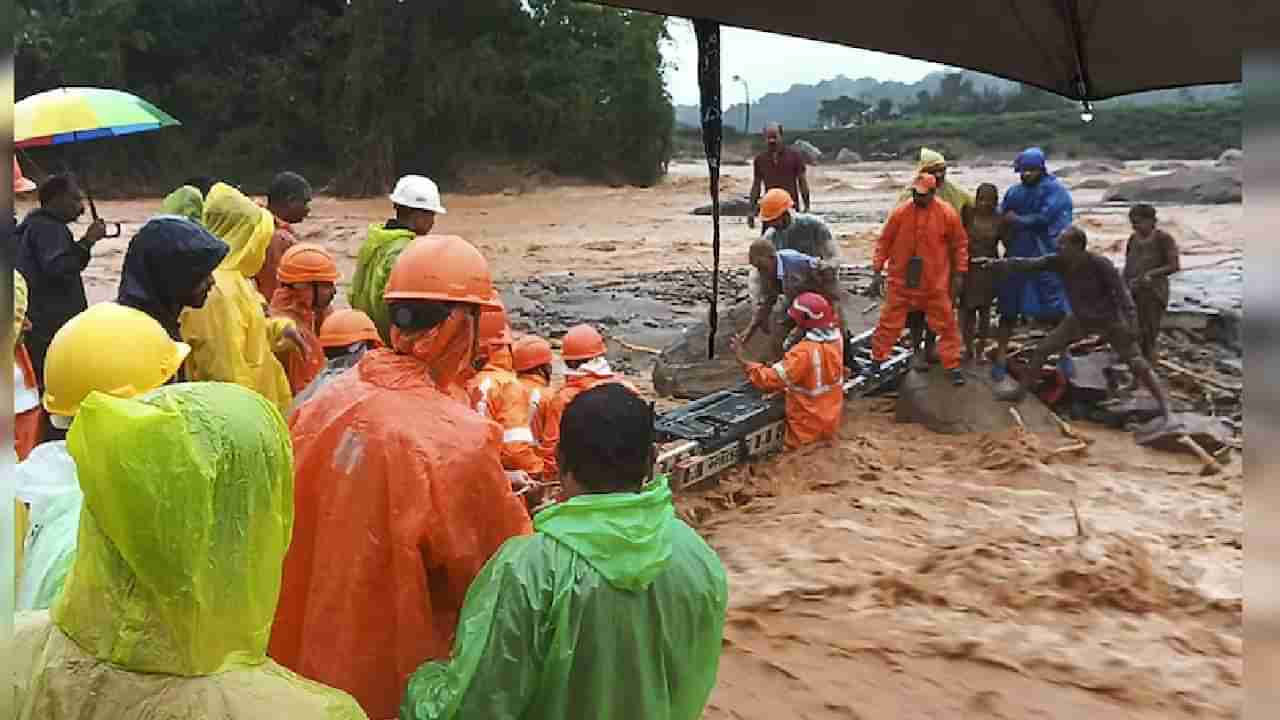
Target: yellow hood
(242,225)
(188,511)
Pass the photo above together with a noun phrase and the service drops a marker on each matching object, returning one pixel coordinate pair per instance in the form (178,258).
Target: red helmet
(811,311)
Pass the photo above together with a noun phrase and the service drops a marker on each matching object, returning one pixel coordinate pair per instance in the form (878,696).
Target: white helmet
(418,192)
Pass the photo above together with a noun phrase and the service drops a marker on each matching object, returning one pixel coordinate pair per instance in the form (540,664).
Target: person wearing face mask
(168,268)
(400,493)
(416,201)
(231,337)
(307,278)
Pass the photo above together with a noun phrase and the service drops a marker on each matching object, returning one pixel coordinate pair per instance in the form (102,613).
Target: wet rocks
(1209,433)
(1231,157)
(729,207)
(929,398)
(1197,186)
(1167,167)
(1092,184)
(847,157)
(1085,168)
(812,154)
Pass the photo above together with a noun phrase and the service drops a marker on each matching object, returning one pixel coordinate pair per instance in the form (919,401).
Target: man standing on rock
(926,250)
(1038,210)
(778,167)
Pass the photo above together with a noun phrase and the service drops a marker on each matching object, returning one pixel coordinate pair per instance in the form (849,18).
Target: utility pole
(746,125)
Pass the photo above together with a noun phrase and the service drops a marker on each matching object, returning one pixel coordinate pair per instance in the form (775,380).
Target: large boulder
(1092,184)
(1087,167)
(929,398)
(848,157)
(730,207)
(683,370)
(1197,186)
(1231,157)
(812,154)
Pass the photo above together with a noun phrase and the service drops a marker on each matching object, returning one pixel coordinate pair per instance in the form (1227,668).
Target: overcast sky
(756,56)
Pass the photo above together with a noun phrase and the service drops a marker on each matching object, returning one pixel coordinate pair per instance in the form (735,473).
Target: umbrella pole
(708,34)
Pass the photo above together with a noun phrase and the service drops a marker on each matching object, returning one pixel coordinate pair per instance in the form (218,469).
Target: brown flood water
(899,573)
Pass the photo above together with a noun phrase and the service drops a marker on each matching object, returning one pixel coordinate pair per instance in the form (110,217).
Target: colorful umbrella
(77,114)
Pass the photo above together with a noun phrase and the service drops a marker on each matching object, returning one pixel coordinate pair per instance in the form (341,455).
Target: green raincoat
(187,202)
(188,511)
(613,610)
(373,269)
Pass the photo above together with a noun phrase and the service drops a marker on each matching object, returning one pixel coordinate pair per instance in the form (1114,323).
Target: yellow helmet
(112,349)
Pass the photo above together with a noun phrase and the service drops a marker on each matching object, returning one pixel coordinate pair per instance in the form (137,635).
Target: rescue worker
(231,338)
(416,200)
(168,268)
(614,608)
(187,201)
(531,359)
(583,352)
(51,260)
(188,505)
(1150,257)
(289,202)
(926,250)
(1038,210)
(501,397)
(1100,305)
(787,274)
(346,335)
(790,230)
(400,493)
(46,480)
(811,373)
(307,286)
(934,163)
(28,418)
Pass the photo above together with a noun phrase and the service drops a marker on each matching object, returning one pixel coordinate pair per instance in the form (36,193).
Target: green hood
(624,536)
(373,269)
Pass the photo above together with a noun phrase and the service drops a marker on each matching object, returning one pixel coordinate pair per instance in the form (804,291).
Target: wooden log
(1174,367)
(1210,466)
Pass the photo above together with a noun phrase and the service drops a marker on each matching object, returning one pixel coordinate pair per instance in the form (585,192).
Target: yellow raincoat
(231,337)
(188,511)
(958,199)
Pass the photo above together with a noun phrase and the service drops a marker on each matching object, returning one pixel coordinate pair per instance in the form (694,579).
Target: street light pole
(746,126)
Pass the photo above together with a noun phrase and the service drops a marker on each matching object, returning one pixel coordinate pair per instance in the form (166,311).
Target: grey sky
(755,56)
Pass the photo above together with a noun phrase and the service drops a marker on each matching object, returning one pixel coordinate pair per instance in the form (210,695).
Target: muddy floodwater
(895,573)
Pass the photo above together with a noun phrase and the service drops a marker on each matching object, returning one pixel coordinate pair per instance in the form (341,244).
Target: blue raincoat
(1044,211)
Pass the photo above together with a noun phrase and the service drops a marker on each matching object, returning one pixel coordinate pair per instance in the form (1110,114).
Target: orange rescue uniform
(937,236)
(26,425)
(539,394)
(500,396)
(811,374)
(298,304)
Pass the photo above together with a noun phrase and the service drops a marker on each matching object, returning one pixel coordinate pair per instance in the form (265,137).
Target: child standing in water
(987,230)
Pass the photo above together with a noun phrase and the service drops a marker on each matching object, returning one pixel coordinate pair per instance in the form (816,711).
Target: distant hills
(798,107)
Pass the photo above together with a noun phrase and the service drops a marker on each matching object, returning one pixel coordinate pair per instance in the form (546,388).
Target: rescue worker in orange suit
(346,335)
(400,496)
(500,396)
(926,250)
(583,352)
(811,373)
(307,279)
(531,358)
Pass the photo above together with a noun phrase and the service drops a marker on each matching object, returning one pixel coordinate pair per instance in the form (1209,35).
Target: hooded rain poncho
(298,304)
(955,197)
(1044,211)
(231,338)
(47,483)
(166,613)
(373,269)
(401,500)
(187,202)
(167,259)
(614,610)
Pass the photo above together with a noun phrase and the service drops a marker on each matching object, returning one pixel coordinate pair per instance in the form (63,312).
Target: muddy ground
(897,573)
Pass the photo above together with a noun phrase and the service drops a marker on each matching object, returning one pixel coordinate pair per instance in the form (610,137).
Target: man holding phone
(926,250)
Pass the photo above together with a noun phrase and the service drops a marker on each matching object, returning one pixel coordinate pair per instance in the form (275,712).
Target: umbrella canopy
(76,114)
(21,183)
(1081,49)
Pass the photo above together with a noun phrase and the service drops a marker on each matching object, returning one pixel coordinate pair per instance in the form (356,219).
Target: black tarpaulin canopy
(1081,49)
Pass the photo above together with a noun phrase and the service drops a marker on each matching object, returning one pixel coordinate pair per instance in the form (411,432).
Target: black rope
(708,33)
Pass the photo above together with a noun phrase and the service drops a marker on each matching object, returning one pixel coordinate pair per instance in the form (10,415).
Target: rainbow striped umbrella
(76,114)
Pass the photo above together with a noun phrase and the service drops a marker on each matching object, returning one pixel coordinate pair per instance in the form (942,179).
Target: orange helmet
(445,268)
(307,262)
(582,342)
(774,203)
(494,329)
(530,352)
(345,327)
(20,182)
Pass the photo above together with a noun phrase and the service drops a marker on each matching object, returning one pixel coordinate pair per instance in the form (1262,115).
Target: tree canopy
(356,93)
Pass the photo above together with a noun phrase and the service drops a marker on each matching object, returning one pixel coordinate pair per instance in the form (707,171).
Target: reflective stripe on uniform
(482,405)
(518,435)
(822,388)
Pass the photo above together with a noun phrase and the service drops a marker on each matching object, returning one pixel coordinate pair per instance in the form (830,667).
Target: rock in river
(1198,186)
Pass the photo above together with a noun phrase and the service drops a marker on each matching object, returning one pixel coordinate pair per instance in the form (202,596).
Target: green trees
(357,93)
